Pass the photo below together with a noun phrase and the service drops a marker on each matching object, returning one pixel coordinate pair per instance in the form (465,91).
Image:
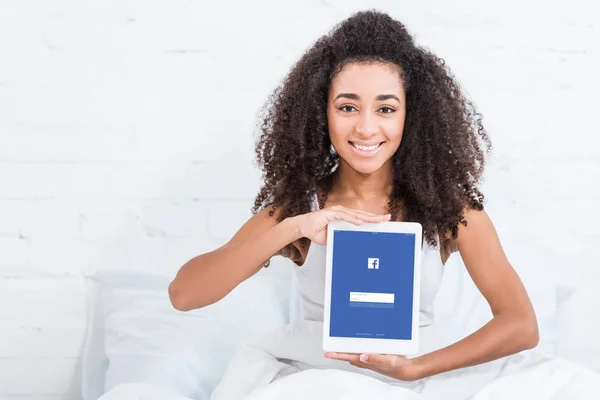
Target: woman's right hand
(313,225)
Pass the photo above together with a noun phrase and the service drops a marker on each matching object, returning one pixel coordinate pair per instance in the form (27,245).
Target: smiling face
(366,112)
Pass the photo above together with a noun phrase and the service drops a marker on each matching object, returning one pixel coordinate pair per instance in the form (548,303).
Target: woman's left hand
(394,366)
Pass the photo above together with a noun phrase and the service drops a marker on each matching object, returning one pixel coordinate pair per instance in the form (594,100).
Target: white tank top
(310,278)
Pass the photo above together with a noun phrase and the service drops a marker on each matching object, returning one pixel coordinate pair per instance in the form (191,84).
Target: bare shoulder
(478,227)
(477,223)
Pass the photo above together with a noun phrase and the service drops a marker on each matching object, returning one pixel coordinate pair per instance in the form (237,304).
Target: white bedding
(286,360)
(288,363)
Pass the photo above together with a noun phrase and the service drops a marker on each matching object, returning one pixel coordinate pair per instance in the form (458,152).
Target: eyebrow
(381,97)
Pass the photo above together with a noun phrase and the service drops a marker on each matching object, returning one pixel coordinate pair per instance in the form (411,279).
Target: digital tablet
(372,287)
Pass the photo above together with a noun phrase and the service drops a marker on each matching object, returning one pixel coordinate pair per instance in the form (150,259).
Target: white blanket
(289,363)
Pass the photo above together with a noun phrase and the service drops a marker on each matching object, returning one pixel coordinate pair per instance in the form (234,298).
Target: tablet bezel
(373,345)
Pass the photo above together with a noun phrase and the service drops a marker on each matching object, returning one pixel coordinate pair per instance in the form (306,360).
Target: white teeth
(366,148)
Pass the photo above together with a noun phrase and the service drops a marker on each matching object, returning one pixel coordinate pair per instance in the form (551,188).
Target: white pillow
(136,331)
(138,337)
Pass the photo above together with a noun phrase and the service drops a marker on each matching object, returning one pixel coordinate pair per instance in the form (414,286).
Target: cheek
(394,130)
(396,138)
(338,130)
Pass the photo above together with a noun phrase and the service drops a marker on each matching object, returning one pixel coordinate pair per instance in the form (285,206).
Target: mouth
(366,150)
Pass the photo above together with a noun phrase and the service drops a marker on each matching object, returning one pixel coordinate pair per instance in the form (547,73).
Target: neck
(352,184)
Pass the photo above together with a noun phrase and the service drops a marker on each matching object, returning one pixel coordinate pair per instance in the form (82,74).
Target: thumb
(380,359)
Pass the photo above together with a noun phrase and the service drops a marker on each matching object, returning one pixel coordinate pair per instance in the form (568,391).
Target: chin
(365,167)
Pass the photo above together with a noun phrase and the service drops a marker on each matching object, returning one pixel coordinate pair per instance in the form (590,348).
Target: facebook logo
(373,263)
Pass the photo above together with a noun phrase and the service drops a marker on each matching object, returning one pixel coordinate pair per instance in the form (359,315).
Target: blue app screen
(372,285)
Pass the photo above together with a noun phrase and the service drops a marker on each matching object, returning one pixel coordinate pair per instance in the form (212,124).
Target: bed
(139,347)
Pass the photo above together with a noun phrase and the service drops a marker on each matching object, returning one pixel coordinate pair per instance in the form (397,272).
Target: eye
(345,108)
(390,110)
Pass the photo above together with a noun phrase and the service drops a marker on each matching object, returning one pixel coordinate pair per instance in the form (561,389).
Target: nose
(366,125)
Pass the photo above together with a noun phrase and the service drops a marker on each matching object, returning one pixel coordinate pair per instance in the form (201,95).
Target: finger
(388,360)
(357,212)
(359,364)
(372,367)
(382,218)
(343,216)
(343,356)
(364,217)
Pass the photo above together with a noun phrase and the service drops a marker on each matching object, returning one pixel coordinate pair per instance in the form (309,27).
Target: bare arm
(514,325)
(209,277)
(513,328)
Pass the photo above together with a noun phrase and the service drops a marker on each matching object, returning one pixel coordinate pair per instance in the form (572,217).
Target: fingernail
(364,357)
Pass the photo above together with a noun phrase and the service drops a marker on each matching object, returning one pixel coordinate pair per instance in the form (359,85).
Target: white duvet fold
(289,363)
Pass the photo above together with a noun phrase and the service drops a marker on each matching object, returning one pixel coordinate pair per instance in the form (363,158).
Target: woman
(370,127)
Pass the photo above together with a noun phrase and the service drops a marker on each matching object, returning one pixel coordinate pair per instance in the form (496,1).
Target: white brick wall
(126,141)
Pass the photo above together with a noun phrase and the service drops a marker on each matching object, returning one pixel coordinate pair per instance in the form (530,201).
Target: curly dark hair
(441,156)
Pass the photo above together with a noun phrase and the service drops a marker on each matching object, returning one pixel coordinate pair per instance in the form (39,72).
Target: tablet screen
(372,285)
